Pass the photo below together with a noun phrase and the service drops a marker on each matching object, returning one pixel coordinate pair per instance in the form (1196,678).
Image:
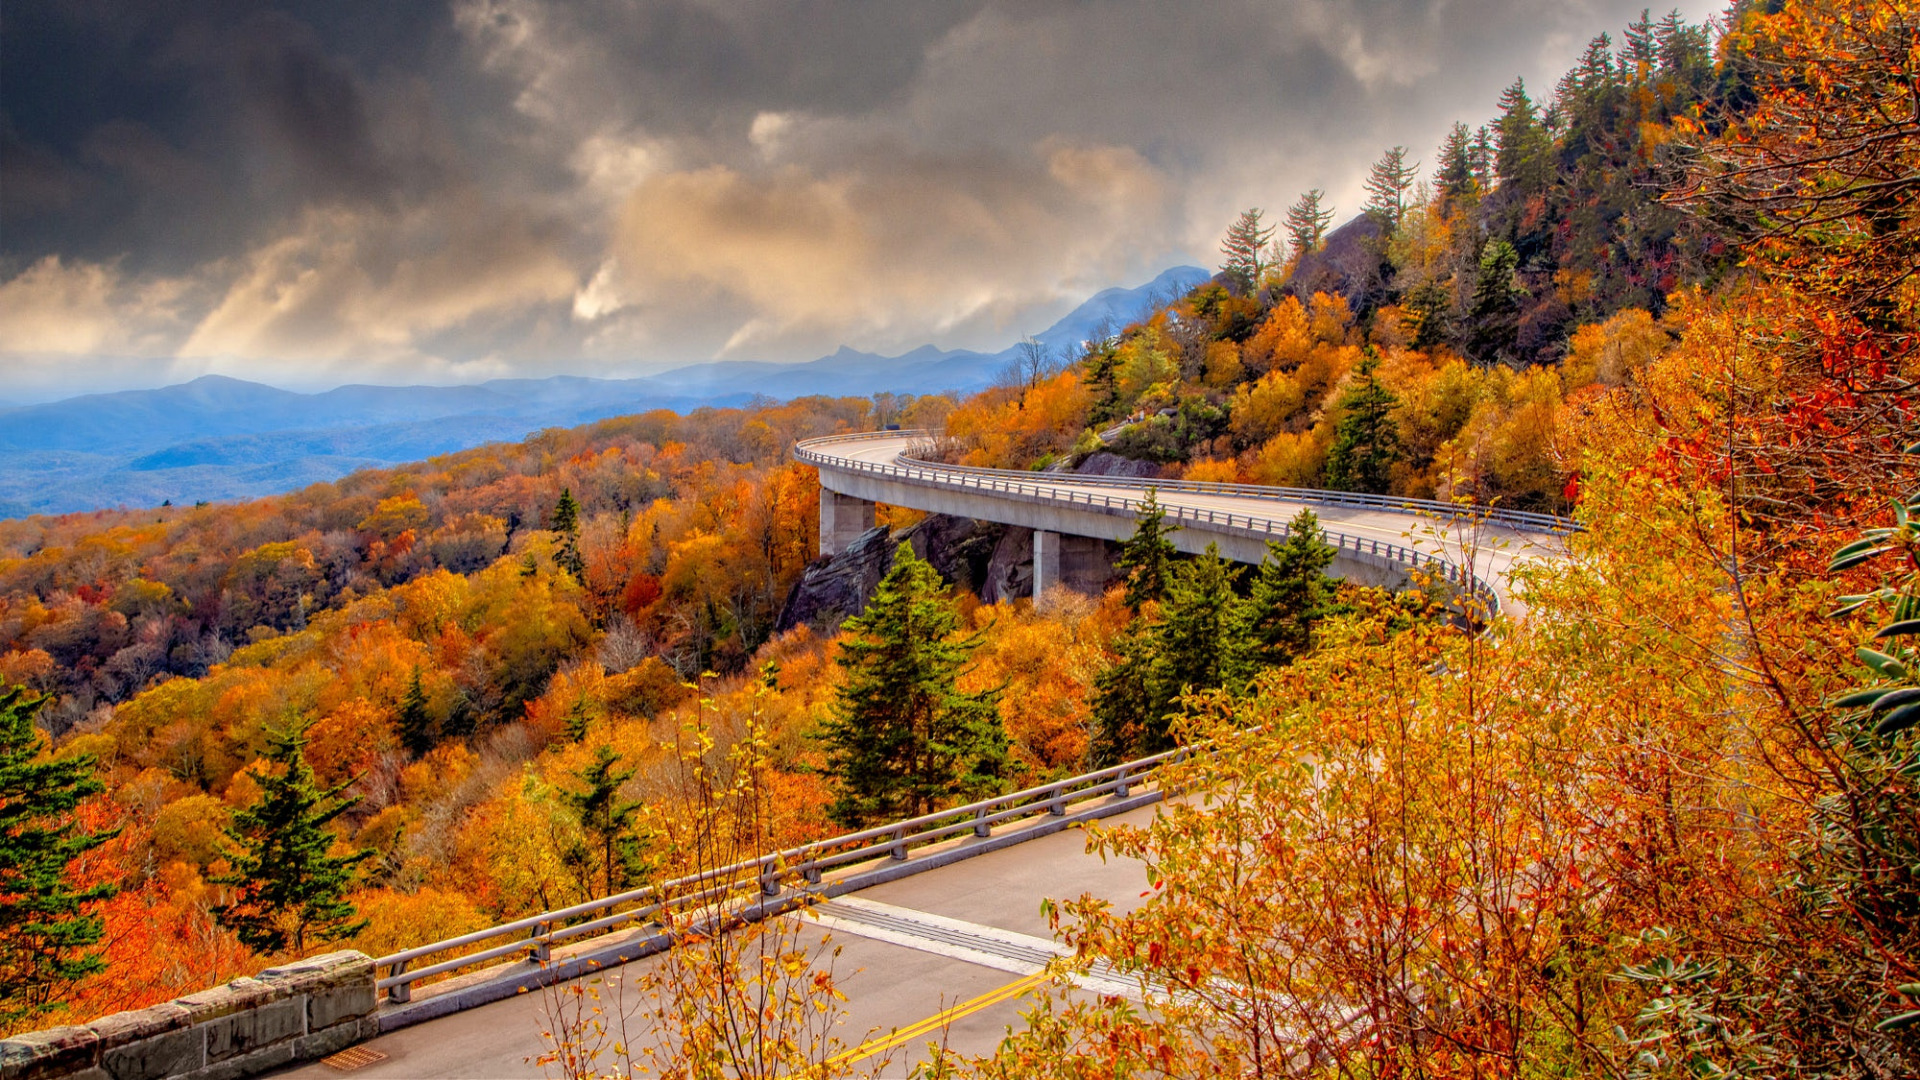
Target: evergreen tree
(1521,143)
(902,738)
(1482,157)
(1494,315)
(1307,223)
(1642,51)
(1148,555)
(1365,441)
(1387,187)
(1124,697)
(1245,248)
(578,721)
(608,822)
(290,887)
(1288,596)
(566,522)
(417,729)
(1196,640)
(46,935)
(1455,177)
(1102,366)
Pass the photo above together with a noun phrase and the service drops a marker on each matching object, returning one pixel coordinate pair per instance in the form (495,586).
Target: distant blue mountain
(218,438)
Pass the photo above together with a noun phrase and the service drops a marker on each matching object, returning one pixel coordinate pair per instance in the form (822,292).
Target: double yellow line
(939,1020)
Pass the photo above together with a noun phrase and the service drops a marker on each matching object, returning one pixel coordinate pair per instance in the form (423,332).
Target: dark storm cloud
(307,192)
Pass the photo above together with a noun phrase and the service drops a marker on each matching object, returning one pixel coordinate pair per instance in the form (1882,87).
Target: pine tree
(1365,441)
(1307,223)
(46,934)
(1482,157)
(417,729)
(290,886)
(1521,143)
(1148,555)
(1245,248)
(566,522)
(1288,596)
(1387,187)
(1493,317)
(1124,697)
(577,721)
(1642,50)
(1196,639)
(1455,177)
(902,738)
(608,822)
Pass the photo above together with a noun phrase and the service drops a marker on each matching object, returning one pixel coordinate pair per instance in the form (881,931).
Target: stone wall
(297,1012)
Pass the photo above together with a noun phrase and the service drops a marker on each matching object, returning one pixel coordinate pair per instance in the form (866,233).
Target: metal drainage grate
(353,1057)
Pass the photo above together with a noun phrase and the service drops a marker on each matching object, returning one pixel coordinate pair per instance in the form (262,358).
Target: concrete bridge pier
(842,519)
(1078,562)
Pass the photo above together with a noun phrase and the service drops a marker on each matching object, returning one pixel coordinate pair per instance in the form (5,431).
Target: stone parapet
(296,1012)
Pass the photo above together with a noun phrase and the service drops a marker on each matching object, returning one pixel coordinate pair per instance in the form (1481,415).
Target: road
(970,934)
(1492,549)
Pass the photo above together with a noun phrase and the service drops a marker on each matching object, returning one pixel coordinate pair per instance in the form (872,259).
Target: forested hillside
(1661,826)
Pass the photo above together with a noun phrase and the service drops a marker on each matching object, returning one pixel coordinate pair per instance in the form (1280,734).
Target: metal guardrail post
(899,843)
(980,826)
(811,871)
(1057,806)
(542,949)
(770,880)
(402,992)
(1120,783)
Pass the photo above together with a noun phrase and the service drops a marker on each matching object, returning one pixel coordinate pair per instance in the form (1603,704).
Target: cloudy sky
(374,190)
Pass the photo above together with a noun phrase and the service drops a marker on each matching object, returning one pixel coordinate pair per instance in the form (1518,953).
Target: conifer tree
(1148,555)
(608,822)
(566,522)
(1365,441)
(46,933)
(1124,697)
(417,732)
(1288,596)
(1307,223)
(1455,176)
(1196,639)
(291,888)
(902,738)
(1245,248)
(1387,186)
(577,721)
(1482,157)
(1521,143)
(1494,314)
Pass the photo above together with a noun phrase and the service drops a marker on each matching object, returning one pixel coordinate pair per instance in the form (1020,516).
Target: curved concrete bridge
(1380,540)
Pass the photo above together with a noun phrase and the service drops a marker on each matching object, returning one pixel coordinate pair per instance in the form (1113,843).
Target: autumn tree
(1245,248)
(290,885)
(902,738)
(608,820)
(1366,442)
(48,925)
(1387,186)
(1307,222)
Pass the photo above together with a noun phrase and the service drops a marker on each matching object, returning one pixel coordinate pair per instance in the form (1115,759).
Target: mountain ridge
(217,437)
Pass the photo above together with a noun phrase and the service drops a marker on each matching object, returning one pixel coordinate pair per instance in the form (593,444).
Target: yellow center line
(941,1019)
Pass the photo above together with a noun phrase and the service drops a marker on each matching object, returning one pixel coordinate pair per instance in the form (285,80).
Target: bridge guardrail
(534,936)
(1525,520)
(1029,485)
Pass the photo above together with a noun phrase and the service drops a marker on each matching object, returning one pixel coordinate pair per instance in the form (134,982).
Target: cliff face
(836,587)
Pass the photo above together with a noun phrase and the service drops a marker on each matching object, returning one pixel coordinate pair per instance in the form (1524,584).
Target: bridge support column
(842,519)
(1046,563)
(1078,562)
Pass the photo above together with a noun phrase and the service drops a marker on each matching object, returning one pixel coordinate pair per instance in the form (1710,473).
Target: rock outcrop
(960,548)
(834,587)
(1010,571)
(1104,463)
